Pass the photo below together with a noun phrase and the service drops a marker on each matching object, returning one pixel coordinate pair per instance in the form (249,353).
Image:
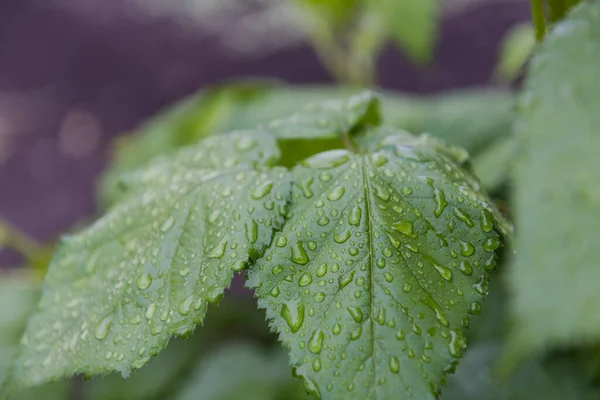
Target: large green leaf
(116,292)
(412,24)
(555,274)
(372,280)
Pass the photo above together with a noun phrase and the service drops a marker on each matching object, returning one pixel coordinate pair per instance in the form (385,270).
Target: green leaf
(329,119)
(18,295)
(555,272)
(469,119)
(239,371)
(182,124)
(412,24)
(556,379)
(168,374)
(517,46)
(116,292)
(493,165)
(372,280)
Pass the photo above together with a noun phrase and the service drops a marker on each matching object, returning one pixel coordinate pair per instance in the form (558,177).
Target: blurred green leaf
(412,24)
(554,279)
(557,379)
(329,119)
(18,298)
(517,46)
(176,231)
(172,370)
(493,165)
(241,371)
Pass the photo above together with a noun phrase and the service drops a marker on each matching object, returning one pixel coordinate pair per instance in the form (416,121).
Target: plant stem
(539,18)
(348,143)
(37,255)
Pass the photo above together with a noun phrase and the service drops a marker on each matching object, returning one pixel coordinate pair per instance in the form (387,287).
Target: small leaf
(412,24)
(517,47)
(555,272)
(116,292)
(329,119)
(372,280)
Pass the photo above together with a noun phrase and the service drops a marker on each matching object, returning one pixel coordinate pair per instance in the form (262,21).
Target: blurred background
(74,74)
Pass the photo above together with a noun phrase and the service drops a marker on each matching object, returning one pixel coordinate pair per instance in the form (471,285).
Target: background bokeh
(76,73)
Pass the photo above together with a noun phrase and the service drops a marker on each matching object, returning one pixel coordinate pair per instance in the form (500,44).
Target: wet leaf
(374,276)
(329,119)
(117,291)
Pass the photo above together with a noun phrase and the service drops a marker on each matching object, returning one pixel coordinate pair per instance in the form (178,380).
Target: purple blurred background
(75,73)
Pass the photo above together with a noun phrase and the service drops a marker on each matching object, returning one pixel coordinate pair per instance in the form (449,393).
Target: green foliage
(553,279)
(383,258)
(517,47)
(412,24)
(471,120)
(396,228)
(115,293)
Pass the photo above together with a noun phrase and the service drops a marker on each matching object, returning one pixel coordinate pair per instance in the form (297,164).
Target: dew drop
(355,216)
(440,202)
(150,310)
(305,280)
(337,328)
(281,241)
(342,237)
(356,313)
(487,221)
(463,217)
(299,255)
(321,270)
(394,365)
(465,268)
(186,305)
(388,277)
(251,231)
(491,244)
(143,281)
(275,291)
(336,193)
(405,228)
(167,224)
(262,190)
(319,297)
(316,342)
(344,280)
(103,327)
(466,249)
(316,364)
(293,314)
(457,343)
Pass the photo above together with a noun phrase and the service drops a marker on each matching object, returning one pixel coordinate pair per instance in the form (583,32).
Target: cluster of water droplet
(381,261)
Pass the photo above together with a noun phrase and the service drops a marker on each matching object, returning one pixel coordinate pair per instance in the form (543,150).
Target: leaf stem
(36,254)
(348,143)
(539,18)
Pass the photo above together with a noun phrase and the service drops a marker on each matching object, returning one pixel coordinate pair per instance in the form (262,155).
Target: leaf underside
(372,279)
(115,293)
